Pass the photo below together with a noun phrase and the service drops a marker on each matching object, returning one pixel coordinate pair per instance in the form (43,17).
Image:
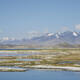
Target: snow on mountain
(57,36)
(50,34)
(68,37)
(75,34)
(49,38)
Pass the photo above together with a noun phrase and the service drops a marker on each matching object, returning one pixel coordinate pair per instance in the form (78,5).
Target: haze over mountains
(64,39)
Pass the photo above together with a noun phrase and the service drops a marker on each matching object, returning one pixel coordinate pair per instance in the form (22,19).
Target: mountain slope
(65,39)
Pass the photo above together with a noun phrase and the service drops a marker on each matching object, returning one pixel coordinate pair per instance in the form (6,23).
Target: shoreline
(12,69)
(68,68)
(40,67)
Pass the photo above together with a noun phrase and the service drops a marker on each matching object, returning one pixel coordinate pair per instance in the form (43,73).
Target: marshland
(55,59)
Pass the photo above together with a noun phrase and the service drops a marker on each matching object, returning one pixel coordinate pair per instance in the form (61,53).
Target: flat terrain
(50,57)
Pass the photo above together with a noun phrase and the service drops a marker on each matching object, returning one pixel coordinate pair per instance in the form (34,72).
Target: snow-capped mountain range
(47,39)
(68,36)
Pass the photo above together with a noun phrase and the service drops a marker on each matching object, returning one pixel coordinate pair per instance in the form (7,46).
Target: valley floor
(60,59)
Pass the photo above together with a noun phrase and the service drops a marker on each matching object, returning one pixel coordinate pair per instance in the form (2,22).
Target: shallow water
(11,53)
(40,75)
(14,54)
(27,59)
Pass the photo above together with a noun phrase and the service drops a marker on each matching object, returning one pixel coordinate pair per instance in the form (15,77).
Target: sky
(22,18)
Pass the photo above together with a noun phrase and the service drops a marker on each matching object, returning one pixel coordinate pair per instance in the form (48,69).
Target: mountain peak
(71,37)
(75,33)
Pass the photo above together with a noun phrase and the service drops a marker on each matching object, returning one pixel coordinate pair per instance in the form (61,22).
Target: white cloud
(77,27)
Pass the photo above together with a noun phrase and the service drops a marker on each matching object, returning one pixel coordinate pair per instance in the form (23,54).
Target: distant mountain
(64,39)
(68,36)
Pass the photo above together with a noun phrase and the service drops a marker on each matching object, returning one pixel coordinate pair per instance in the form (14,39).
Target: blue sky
(19,17)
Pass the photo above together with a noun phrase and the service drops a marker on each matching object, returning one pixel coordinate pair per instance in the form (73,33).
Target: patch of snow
(50,34)
(75,34)
(57,36)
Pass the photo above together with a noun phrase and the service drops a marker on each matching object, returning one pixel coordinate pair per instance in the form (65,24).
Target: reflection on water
(40,75)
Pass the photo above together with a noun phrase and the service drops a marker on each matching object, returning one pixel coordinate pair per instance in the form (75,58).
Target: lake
(40,75)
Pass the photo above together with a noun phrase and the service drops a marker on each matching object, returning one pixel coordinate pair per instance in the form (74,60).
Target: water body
(40,75)
(17,53)
(22,49)
(28,59)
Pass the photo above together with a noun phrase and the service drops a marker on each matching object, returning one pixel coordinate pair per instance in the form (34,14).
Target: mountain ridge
(69,38)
